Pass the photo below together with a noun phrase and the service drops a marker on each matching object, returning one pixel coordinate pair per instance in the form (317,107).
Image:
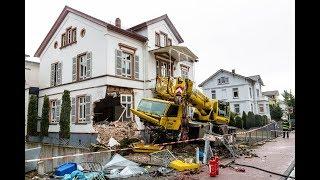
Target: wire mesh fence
(252,136)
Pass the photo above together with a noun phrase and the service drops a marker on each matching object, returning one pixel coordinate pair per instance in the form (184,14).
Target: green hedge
(65,115)
(32,116)
(232,121)
(244,120)
(45,116)
(238,121)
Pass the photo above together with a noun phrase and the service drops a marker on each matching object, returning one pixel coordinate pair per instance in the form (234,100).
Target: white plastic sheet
(113,142)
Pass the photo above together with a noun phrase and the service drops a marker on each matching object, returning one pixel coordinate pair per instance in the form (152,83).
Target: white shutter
(58,110)
(118,55)
(89,64)
(52,75)
(74,69)
(136,67)
(88,108)
(73,110)
(59,77)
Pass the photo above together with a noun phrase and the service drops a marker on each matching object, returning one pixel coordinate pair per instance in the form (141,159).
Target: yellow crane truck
(179,111)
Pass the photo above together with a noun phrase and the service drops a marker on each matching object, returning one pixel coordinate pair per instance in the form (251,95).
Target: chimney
(118,22)
(233,71)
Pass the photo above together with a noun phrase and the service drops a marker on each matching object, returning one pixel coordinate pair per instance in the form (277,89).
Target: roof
(257,78)
(67,10)
(250,78)
(271,93)
(182,49)
(32,61)
(155,20)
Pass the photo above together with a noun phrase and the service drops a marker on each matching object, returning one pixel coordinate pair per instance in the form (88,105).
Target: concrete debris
(141,158)
(113,142)
(117,129)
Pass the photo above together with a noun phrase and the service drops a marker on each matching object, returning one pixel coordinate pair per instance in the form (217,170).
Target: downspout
(145,67)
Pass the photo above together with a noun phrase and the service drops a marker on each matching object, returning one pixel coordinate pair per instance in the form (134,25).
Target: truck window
(173,111)
(152,107)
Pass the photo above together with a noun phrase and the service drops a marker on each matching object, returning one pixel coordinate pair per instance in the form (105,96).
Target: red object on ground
(214,166)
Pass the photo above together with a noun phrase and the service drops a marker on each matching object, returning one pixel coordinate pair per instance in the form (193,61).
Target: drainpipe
(145,68)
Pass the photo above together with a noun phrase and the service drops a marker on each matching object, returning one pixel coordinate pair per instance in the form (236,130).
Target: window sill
(81,123)
(53,123)
(235,97)
(67,45)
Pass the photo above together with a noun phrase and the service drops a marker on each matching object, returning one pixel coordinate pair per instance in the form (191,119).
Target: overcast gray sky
(250,36)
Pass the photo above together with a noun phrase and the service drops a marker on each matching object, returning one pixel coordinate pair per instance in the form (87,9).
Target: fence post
(40,168)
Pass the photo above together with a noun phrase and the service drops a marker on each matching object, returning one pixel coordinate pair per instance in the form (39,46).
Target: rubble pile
(246,151)
(117,129)
(139,157)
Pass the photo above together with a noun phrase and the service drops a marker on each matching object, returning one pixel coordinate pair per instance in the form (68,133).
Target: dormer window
(223,80)
(157,39)
(163,39)
(69,37)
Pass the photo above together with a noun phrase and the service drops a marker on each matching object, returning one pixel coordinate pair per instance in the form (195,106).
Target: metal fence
(255,135)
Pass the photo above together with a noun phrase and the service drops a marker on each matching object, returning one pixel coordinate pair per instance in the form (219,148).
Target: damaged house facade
(107,69)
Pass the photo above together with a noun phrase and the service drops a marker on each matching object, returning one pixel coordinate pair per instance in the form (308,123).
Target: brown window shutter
(89,64)
(73,110)
(88,108)
(59,77)
(136,67)
(74,69)
(118,55)
(58,110)
(52,75)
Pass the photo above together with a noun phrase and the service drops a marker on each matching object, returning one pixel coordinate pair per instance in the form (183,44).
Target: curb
(289,170)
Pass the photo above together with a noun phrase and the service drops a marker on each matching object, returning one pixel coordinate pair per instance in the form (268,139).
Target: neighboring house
(272,96)
(107,69)
(243,93)
(31,83)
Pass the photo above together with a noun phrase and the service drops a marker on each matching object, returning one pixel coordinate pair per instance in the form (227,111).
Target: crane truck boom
(174,98)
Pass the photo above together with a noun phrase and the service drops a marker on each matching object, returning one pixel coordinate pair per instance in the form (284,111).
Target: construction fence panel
(256,135)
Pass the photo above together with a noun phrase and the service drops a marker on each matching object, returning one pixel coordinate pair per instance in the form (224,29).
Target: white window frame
(163,69)
(261,105)
(235,90)
(53,110)
(184,72)
(258,93)
(126,64)
(163,39)
(127,104)
(213,92)
(55,76)
(81,109)
(223,80)
(82,71)
(250,91)
(235,108)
